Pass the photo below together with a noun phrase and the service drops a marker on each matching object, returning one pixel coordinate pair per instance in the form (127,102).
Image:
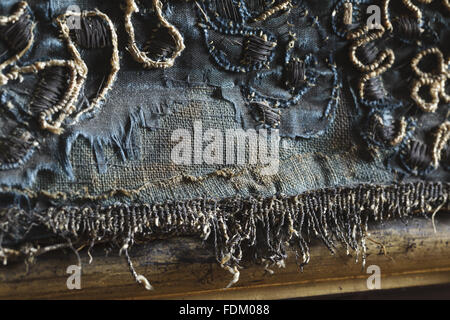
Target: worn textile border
(260,228)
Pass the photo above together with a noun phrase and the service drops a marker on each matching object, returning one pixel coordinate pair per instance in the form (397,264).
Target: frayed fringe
(241,228)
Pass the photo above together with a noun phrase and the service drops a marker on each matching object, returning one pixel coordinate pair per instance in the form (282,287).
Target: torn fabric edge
(256,229)
(120,133)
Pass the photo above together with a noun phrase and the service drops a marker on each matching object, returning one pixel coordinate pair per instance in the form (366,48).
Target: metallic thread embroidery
(441,140)
(376,66)
(17,148)
(384,131)
(52,118)
(140,56)
(435,80)
(279,7)
(18,31)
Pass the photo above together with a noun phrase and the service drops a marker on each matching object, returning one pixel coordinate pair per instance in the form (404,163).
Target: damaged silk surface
(361,137)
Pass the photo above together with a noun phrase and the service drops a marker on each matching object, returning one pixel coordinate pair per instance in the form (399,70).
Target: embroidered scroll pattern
(261,46)
(389,125)
(54,102)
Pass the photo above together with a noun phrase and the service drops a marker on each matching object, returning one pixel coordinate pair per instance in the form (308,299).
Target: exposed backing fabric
(357,119)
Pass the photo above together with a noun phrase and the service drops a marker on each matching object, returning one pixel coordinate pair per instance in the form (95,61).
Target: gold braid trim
(67,104)
(436,81)
(409,5)
(441,139)
(385,55)
(413,8)
(401,133)
(442,67)
(375,73)
(115,65)
(435,89)
(140,56)
(78,72)
(386,19)
(282,6)
(384,61)
(4,20)
(21,8)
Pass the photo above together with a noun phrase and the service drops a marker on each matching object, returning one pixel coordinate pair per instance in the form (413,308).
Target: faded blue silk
(254,125)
